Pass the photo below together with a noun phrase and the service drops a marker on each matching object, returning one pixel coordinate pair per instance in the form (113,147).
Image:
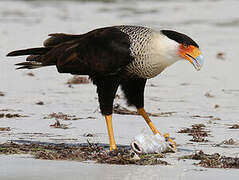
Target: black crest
(179,37)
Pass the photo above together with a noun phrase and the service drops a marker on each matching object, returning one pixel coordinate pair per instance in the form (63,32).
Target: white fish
(145,143)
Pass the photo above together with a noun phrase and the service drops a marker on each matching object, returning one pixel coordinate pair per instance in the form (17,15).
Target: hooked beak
(193,55)
(196,62)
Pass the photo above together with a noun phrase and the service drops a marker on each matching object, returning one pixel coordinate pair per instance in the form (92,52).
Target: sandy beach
(209,97)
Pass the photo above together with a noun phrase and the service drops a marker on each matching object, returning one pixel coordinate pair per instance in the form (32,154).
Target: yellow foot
(172,142)
(113,147)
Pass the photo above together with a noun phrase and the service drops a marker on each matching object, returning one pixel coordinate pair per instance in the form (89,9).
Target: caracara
(115,56)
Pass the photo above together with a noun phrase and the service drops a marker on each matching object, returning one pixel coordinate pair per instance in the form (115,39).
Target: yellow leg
(143,113)
(108,119)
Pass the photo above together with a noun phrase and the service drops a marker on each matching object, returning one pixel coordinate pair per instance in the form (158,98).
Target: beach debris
(231,91)
(214,160)
(57,124)
(70,86)
(7,110)
(82,152)
(63,116)
(14,115)
(209,95)
(2,94)
(234,126)
(5,129)
(230,141)
(200,116)
(88,117)
(8,115)
(185,84)
(148,144)
(89,135)
(78,80)
(60,115)
(30,74)
(40,103)
(221,56)
(216,119)
(197,131)
(216,106)
(118,109)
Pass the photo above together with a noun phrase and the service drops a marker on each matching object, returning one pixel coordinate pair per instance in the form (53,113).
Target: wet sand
(24,167)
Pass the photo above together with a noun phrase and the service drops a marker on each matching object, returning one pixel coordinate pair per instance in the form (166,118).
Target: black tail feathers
(33,60)
(31,51)
(38,57)
(29,65)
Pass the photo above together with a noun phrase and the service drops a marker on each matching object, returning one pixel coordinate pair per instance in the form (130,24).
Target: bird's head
(186,48)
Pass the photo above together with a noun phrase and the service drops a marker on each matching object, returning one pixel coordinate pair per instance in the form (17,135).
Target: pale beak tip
(198,62)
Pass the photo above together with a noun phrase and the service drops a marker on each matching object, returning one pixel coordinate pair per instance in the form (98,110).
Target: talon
(172,142)
(166,136)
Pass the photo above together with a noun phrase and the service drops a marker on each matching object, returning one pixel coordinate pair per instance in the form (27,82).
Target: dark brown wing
(102,51)
(59,38)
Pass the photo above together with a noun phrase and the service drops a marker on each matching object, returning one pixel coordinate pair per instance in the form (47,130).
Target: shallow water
(213,24)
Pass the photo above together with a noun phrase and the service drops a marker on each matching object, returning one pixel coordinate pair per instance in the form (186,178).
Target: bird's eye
(185,45)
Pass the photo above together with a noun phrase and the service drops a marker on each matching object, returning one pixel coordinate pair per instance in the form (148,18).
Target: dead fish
(145,143)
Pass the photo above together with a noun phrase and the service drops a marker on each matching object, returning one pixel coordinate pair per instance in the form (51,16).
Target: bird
(123,56)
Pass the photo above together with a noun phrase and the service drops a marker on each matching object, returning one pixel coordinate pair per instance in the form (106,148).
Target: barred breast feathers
(140,38)
(152,51)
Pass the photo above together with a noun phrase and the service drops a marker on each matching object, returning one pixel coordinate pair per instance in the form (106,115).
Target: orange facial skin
(189,52)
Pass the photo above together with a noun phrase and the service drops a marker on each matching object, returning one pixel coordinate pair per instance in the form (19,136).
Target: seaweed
(197,131)
(5,129)
(121,156)
(39,103)
(234,126)
(209,95)
(8,115)
(214,160)
(30,74)
(63,116)
(57,124)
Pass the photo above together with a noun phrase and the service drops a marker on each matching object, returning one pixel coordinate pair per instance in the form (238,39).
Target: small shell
(145,143)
